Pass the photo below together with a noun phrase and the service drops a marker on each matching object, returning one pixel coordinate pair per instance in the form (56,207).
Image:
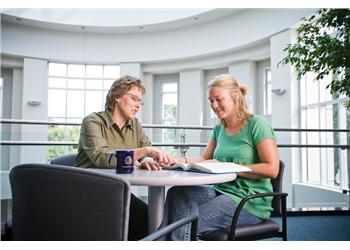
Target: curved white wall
(233,44)
(222,36)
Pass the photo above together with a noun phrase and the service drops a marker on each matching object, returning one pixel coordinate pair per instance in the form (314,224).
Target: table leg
(156,196)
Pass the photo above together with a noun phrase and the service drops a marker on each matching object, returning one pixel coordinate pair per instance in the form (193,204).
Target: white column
(285,107)
(245,73)
(17,102)
(191,104)
(147,109)
(35,87)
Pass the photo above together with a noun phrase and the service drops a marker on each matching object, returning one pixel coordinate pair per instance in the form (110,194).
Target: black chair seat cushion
(267,226)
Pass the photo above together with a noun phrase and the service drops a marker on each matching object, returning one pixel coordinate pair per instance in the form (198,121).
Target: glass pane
(325,94)
(75,84)
(314,173)
(340,77)
(57,83)
(111,72)
(93,101)
(327,138)
(57,69)
(75,120)
(311,89)
(304,150)
(107,84)
(56,103)
(302,91)
(104,97)
(75,70)
(55,119)
(94,71)
(170,87)
(169,109)
(75,103)
(314,166)
(93,84)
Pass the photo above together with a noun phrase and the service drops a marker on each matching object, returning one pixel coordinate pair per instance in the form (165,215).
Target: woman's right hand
(149,165)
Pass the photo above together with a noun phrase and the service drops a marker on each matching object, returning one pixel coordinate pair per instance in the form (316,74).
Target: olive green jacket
(100,136)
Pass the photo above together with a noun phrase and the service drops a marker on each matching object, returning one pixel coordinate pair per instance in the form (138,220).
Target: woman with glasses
(117,128)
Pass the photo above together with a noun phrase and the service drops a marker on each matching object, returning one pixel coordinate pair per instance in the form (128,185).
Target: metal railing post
(183,149)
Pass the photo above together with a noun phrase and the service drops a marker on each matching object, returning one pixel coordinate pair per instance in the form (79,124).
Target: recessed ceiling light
(18,19)
(195,18)
(141,28)
(83,27)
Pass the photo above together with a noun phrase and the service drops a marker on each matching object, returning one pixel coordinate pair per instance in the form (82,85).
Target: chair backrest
(52,202)
(277,187)
(66,160)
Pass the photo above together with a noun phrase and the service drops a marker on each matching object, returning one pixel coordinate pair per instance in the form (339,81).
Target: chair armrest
(281,196)
(169,228)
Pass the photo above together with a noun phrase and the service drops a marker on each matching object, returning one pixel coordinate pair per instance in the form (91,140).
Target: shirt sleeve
(262,130)
(215,132)
(93,142)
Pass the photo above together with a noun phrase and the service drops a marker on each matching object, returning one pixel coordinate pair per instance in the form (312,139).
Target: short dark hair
(120,87)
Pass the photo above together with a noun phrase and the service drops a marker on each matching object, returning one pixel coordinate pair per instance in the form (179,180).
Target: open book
(211,167)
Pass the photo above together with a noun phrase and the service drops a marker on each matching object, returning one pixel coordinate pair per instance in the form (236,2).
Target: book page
(183,166)
(220,167)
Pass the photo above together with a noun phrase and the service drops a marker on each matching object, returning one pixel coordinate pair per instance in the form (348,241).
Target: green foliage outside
(57,133)
(169,135)
(323,47)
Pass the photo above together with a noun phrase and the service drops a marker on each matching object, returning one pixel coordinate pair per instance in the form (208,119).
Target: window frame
(321,109)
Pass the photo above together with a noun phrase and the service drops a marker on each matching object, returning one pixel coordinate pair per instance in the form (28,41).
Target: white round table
(156,182)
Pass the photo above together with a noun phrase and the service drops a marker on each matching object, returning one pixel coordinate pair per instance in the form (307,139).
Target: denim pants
(214,210)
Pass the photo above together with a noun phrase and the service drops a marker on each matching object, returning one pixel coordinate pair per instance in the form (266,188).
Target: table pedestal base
(156,196)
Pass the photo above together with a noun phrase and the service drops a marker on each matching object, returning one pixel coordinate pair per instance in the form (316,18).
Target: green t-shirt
(240,148)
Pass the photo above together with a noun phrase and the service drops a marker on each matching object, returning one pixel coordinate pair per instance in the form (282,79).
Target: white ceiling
(113,20)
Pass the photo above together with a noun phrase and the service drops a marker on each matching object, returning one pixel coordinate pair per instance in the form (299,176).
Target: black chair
(266,229)
(51,202)
(65,160)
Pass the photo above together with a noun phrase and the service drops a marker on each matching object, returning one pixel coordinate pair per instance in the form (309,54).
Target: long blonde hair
(237,92)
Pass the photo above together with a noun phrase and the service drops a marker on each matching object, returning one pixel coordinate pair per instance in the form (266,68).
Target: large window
(169,113)
(74,91)
(321,110)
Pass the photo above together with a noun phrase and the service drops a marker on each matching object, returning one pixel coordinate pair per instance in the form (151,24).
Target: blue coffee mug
(125,161)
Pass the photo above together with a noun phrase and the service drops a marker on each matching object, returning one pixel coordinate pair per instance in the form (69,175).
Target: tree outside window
(169,114)
(74,91)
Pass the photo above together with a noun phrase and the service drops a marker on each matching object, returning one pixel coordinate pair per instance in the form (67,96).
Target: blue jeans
(214,210)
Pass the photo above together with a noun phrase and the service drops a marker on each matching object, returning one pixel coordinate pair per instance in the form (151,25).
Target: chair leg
(284,218)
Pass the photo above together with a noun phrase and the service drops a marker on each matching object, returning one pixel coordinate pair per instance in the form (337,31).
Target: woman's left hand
(149,165)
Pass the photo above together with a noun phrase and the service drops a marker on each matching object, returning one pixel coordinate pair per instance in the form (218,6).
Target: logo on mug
(128,160)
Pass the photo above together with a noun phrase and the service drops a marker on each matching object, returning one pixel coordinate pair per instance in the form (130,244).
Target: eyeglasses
(135,98)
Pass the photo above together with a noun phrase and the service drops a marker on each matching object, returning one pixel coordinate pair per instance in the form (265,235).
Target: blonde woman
(242,138)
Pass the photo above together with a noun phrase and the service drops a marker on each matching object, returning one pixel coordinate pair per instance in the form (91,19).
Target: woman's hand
(161,157)
(149,165)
